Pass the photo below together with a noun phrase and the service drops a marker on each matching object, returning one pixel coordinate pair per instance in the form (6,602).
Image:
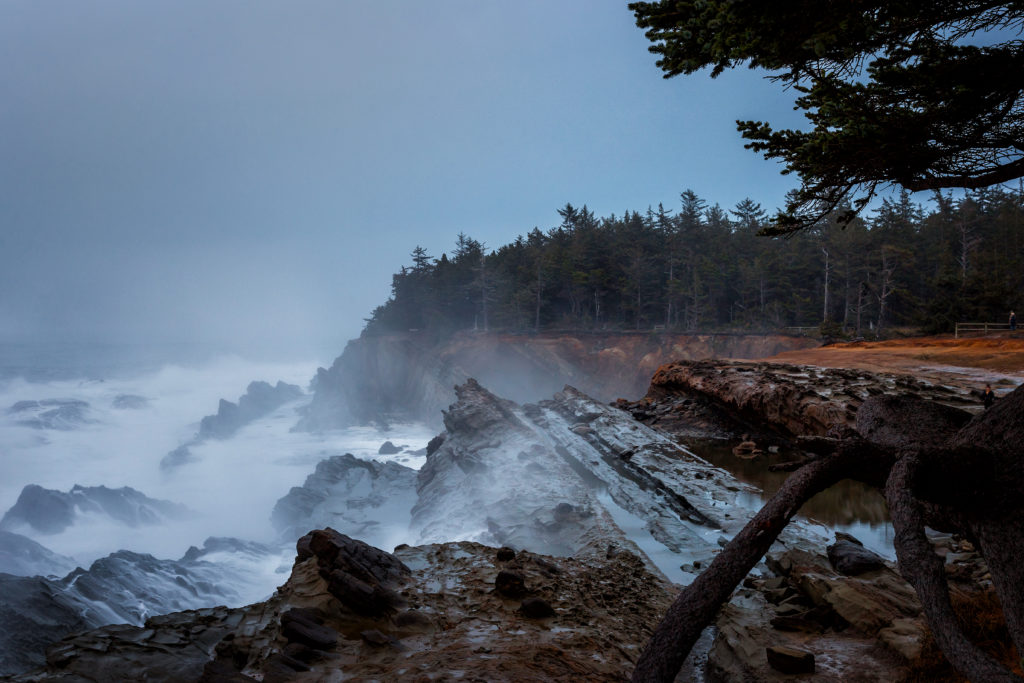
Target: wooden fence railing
(984,328)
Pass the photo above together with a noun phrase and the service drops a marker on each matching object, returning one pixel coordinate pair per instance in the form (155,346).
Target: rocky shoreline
(552,536)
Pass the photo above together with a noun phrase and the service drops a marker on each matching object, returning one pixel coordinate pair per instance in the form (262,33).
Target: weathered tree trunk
(924,570)
(697,605)
(936,470)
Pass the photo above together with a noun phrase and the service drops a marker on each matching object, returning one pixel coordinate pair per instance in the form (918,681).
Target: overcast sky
(251,172)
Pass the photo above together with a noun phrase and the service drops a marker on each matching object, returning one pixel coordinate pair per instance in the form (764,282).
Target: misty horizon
(251,175)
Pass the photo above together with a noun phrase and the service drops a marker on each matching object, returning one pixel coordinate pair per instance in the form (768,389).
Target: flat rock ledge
(719,398)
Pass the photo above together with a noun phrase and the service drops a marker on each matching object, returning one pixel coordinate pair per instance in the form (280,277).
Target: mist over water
(231,485)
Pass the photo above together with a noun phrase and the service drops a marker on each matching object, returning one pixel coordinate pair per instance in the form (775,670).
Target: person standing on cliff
(988,396)
(1013,321)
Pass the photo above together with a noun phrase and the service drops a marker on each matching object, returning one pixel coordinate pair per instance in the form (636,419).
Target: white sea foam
(231,485)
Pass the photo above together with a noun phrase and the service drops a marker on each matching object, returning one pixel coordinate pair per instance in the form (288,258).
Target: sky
(250,173)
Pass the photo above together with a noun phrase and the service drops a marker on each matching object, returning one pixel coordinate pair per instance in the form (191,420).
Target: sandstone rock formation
(725,398)
(352,611)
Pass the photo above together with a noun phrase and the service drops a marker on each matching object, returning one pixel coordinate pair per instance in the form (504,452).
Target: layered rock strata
(725,398)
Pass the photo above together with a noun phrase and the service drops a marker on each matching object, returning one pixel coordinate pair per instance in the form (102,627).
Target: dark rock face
(35,612)
(388,448)
(358,575)
(305,627)
(373,493)
(173,647)
(259,399)
(510,584)
(51,512)
(21,556)
(124,587)
(52,413)
(536,608)
(851,558)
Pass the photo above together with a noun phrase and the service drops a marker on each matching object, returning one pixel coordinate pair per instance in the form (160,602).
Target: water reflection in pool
(848,506)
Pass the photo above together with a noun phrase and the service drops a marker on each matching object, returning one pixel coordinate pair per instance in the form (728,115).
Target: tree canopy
(701,267)
(924,94)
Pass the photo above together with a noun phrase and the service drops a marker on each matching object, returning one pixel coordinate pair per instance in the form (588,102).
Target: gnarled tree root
(698,603)
(924,570)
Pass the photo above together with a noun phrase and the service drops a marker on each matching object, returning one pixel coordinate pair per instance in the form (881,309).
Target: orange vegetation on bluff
(975,359)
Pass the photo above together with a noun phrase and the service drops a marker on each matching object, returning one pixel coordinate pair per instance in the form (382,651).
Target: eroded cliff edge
(410,376)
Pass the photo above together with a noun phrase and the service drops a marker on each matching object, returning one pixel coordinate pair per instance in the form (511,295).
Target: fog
(231,486)
(251,173)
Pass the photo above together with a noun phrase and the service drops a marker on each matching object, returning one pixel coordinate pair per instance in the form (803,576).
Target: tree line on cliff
(704,268)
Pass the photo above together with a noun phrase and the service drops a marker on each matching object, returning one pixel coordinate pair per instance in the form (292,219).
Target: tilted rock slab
(565,476)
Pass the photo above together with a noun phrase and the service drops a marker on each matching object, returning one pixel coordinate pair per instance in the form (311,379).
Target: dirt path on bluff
(966,362)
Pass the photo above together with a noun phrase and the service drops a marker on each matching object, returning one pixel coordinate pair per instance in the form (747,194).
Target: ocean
(121,408)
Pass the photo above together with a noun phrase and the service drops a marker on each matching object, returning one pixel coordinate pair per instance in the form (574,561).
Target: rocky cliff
(410,376)
(548,538)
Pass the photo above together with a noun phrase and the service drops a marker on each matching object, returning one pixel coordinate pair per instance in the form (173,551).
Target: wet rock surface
(50,512)
(21,556)
(560,590)
(437,613)
(260,399)
(376,498)
(123,587)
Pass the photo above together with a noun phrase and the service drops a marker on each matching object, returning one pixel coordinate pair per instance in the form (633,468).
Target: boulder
(388,448)
(851,558)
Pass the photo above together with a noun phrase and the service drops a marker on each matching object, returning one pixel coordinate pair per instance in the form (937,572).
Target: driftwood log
(938,468)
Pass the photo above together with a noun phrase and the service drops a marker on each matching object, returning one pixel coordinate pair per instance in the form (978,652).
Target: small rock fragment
(790,660)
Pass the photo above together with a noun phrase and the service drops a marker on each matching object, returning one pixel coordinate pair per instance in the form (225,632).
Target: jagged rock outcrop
(259,399)
(726,398)
(565,476)
(122,588)
(47,511)
(51,413)
(351,611)
(21,556)
(369,500)
(410,376)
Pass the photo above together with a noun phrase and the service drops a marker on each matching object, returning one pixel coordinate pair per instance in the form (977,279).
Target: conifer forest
(702,268)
